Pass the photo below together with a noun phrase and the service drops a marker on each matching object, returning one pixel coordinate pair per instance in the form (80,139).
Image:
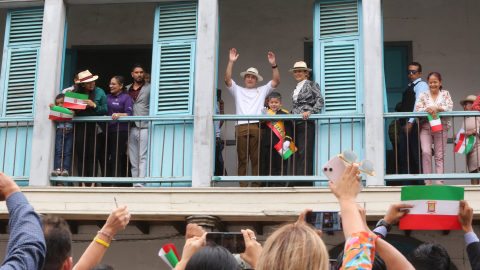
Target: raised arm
(228,74)
(26,248)
(92,256)
(276,75)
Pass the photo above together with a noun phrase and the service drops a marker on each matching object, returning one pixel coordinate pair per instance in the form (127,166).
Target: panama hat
(86,76)
(300,66)
(252,71)
(470,98)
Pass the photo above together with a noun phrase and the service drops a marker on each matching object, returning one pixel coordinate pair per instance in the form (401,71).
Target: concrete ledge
(230,204)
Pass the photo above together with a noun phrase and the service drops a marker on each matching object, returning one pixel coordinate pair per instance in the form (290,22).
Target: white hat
(86,76)
(252,71)
(300,66)
(470,98)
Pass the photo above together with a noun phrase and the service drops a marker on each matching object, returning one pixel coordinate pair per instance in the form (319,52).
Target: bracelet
(275,66)
(101,242)
(106,234)
(377,238)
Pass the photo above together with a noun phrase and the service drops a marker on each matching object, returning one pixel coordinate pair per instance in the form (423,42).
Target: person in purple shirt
(119,104)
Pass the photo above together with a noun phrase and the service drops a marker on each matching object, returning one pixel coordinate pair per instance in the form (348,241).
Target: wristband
(101,242)
(275,66)
(107,234)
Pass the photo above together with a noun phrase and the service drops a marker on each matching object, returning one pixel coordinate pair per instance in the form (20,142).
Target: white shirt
(297,90)
(250,101)
(68,89)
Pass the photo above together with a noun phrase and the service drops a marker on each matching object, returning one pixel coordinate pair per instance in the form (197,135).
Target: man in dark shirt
(139,90)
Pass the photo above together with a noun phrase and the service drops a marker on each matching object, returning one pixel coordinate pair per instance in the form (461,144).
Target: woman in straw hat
(472,125)
(307,99)
(90,136)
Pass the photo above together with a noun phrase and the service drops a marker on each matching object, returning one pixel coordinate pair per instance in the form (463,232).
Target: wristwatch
(385,224)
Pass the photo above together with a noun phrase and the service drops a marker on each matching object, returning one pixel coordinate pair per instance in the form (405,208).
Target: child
(67,141)
(282,132)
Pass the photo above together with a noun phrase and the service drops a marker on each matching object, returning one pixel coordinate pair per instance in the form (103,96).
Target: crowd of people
(46,242)
(103,146)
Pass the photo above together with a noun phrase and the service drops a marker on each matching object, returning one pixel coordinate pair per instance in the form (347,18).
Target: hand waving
(271,58)
(233,55)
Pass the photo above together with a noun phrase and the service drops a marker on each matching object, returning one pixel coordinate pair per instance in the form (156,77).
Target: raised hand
(271,58)
(253,249)
(465,216)
(233,55)
(394,214)
(346,188)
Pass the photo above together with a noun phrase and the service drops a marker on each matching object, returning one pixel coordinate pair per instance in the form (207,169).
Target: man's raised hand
(233,55)
(465,216)
(271,58)
(7,186)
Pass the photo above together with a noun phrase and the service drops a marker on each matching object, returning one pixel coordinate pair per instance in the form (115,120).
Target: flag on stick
(462,145)
(169,255)
(434,207)
(286,154)
(74,101)
(60,114)
(436,124)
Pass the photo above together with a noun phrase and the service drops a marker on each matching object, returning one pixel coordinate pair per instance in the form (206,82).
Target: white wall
(110,24)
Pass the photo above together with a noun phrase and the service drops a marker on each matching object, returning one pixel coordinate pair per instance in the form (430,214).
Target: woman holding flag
(470,130)
(433,101)
(89,100)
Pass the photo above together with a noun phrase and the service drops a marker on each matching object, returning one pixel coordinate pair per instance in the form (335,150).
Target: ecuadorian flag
(434,207)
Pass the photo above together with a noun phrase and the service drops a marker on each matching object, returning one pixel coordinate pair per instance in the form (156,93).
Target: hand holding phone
(325,221)
(334,168)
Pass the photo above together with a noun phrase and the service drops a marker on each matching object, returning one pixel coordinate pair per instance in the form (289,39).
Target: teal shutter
(338,46)
(174,58)
(20,61)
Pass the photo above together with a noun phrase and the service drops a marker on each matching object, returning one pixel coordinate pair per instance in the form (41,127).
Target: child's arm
(51,105)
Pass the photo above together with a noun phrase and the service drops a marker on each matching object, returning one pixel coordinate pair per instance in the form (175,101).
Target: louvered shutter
(22,49)
(338,19)
(174,58)
(340,76)
(338,61)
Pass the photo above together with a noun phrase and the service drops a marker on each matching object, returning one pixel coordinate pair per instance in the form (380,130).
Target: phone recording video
(325,221)
(233,242)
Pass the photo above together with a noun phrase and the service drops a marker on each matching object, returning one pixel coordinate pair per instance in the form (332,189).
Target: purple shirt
(121,103)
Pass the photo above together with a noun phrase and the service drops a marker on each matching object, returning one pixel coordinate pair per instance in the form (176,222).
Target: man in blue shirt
(26,247)
(409,161)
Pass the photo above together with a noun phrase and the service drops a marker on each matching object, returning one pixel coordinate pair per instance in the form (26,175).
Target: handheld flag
(286,154)
(169,255)
(60,114)
(464,145)
(434,207)
(435,124)
(74,101)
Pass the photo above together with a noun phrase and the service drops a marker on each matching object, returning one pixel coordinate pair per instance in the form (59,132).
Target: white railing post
(373,70)
(205,78)
(48,86)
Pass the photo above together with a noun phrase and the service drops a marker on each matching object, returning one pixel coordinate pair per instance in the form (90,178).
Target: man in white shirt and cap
(249,100)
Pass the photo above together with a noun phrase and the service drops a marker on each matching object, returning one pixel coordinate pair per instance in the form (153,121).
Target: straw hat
(300,66)
(86,76)
(252,71)
(470,98)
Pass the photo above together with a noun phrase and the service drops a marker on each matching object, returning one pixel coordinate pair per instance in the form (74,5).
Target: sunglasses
(349,157)
(412,71)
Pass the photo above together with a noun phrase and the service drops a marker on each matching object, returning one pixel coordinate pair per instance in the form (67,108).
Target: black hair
(58,239)
(80,89)
(121,80)
(275,95)
(212,257)
(59,96)
(429,256)
(75,75)
(417,65)
(137,65)
(102,267)
(378,263)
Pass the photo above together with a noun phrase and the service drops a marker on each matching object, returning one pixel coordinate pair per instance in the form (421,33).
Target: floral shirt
(444,101)
(359,252)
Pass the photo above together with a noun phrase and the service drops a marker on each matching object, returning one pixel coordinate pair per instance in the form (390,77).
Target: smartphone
(325,220)
(334,168)
(233,242)
(219,94)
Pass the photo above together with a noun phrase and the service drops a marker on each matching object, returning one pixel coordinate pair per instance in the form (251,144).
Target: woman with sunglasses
(433,101)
